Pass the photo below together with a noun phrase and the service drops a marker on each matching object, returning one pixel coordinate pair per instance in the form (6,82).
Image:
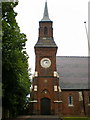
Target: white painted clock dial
(45,62)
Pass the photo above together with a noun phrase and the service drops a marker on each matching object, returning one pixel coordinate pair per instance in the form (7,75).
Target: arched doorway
(45,106)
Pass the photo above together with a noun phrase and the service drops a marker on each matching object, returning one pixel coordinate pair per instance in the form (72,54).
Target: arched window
(70,101)
(45,31)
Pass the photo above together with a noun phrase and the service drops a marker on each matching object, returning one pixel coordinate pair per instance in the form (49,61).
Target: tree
(15,75)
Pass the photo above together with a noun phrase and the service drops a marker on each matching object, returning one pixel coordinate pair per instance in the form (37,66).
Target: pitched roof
(73,72)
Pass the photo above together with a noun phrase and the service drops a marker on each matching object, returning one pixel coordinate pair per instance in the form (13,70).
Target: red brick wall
(87,106)
(79,108)
(51,94)
(71,110)
(43,53)
(41,29)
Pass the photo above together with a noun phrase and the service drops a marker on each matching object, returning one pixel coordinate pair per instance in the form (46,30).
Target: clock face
(45,62)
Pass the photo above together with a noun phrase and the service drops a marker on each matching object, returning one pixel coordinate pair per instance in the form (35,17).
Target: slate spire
(45,38)
(46,15)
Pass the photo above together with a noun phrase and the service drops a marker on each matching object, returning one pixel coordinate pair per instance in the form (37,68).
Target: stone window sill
(56,101)
(70,105)
(34,101)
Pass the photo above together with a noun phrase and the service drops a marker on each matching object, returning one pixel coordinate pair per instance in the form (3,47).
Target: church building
(60,83)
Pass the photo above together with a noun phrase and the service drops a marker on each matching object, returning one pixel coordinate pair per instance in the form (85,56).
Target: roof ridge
(75,56)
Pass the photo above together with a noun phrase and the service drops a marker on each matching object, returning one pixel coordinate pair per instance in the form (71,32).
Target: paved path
(38,118)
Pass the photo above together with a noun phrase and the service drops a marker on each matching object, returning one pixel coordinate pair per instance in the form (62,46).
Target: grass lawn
(77,118)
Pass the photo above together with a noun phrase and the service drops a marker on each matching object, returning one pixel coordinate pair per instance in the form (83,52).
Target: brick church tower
(46,90)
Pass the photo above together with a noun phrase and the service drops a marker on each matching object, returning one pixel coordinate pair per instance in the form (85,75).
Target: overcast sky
(68,18)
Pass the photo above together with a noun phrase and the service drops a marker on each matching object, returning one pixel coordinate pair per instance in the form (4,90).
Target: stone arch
(45,93)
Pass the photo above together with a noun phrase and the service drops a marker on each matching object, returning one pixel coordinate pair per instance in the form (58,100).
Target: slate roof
(73,72)
(46,15)
(46,42)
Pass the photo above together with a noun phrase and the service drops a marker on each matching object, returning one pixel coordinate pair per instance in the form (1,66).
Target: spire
(45,38)
(46,15)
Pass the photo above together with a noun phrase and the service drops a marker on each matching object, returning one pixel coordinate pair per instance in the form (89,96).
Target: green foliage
(15,76)
(76,118)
